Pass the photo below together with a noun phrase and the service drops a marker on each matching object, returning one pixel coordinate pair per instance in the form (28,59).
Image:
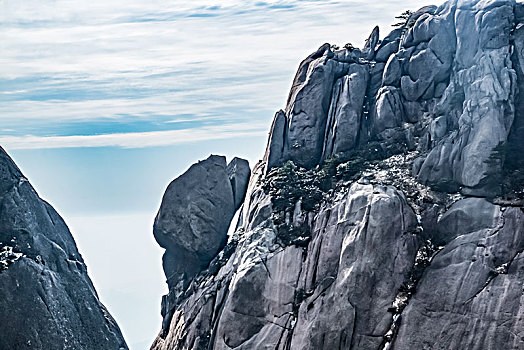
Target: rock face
(194,217)
(196,210)
(374,221)
(47,299)
(448,68)
(239,173)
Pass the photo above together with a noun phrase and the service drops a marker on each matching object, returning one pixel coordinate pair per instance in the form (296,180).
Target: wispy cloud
(70,63)
(135,139)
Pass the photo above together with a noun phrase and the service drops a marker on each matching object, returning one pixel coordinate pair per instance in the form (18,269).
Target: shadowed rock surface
(196,210)
(239,172)
(380,216)
(47,300)
(194,217)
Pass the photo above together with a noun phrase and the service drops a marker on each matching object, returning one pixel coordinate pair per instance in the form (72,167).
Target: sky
(104,102)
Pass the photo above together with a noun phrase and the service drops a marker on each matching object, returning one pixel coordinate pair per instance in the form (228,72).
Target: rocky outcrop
(194,217)
(450,77)
(478,278)
(346,111)
(47,299)
(373,221)
(196,210)
(239,172)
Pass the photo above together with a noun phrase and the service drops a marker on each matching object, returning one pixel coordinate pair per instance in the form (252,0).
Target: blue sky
(103,103)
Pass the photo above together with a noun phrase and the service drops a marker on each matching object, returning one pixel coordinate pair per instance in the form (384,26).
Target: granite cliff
(47,299)
(387,211)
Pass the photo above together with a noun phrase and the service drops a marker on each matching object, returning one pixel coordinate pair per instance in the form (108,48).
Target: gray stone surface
(47,300)
(404,257)
(471,295)
(334,294)
(276,152)
(447,64)
(196,210)
(238,172)
(308,105)
(389,45)
(482,73)
(194,217)
(388,112)
(371,44)
(345,112)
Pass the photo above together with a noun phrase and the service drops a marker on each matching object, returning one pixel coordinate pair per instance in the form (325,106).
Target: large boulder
(47,299)
(470,297)
(196,210)
(193,220)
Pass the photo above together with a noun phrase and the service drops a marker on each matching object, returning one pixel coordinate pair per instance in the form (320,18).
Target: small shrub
(288,185)
(405,21)
(349,47)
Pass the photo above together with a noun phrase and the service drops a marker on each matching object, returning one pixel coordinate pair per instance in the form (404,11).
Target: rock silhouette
(47,299)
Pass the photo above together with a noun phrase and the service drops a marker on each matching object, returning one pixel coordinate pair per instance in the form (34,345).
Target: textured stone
(196,210)
(323,293)
(47,299)
(345,112)
(389,45)
(371,43)
(470,297)
(466,216)
(402,266)
(238,172)
(275,150)
(392,72)
(308,106)
(388,112)
(486,80)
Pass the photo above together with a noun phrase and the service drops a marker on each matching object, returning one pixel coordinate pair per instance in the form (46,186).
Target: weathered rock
(275,152)
(470,297)
(238,172)
(47,299)
(388,112)
(483,74)
(345,112)
(466,216)
(389,45)
(392,72)
(308,106)
(371,43)
(196,210)
(264,291)
(391,260)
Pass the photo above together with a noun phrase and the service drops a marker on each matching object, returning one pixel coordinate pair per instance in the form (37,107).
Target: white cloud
(136,139)
(95,60)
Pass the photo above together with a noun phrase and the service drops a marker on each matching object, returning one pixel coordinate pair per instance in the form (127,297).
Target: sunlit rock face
(376,219)
(47,299)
